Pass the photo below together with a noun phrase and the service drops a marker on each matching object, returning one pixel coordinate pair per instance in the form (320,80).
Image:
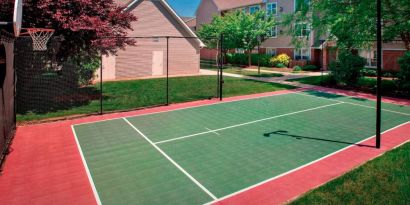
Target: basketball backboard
(17,17)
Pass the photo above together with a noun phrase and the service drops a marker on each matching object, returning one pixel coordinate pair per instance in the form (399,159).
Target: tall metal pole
(379,73)
(221,68)
(101,85)
(167,70)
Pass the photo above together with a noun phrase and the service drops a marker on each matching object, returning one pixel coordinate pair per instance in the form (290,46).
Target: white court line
(191,107)
(171,160)
(248,123)
(298,168)
(392,111)
(212,131)
(90,179)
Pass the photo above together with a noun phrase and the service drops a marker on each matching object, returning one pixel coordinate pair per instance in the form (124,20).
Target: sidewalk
(282,80)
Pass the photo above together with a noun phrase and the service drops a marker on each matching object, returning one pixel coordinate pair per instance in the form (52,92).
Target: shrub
(309,67)
(297,68)
(370,72)
(237,58)
(404,74)
(280,65)
(346,71)
(280,59)
(264,60)
(242,59)
(85,67)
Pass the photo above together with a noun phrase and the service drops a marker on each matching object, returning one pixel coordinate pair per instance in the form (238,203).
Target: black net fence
(155,71)
(7,92)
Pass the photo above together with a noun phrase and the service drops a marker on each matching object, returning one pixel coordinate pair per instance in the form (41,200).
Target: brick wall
(390,58)
(287,51)
(209,54)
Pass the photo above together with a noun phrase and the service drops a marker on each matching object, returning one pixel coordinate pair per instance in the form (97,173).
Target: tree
(227,26)
(351,23)
(240,30)
(83,24)
(254,29)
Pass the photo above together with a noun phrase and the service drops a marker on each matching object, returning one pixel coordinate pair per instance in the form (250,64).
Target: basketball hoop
(40,37)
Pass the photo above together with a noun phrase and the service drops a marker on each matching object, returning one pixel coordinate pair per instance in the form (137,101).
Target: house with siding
(319,52)
(148,58)
(191,22)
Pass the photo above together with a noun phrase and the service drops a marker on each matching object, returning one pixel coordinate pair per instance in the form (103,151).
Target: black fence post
(216,63)
(259,55)
(379,73)
(167,70)
(101,84)
(221,60)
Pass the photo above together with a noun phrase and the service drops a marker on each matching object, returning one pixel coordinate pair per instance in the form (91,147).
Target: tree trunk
(250,58)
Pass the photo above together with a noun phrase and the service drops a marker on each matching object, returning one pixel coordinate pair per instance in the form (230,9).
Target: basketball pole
(379,73)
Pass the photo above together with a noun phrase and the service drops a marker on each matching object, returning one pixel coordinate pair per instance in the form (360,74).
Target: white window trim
(276,28)
(308,52)
(271,48)
(271,3)
(368,59)
(307,28)
(254,6)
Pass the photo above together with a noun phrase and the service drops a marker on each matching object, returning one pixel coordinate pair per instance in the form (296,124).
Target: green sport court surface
(200,154)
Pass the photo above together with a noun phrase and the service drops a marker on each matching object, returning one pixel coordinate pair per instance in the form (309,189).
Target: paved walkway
(282,80)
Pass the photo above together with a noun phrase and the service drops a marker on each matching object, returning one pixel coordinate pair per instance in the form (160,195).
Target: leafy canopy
(83,24)
(240,30)
(351,23)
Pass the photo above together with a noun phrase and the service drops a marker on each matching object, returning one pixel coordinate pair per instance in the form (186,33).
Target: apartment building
(318,51)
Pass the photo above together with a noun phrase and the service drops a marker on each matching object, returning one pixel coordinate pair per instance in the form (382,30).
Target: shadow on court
(286,134)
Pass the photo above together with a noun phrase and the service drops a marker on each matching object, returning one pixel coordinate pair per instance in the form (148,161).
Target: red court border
(45,166)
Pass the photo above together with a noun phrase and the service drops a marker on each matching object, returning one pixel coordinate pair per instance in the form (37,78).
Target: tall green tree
(240,30)
(352,24)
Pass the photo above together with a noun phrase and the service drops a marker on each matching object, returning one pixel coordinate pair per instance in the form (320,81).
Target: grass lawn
(240,71)
(125,95)
(366,83)
(384,180)
(313,80)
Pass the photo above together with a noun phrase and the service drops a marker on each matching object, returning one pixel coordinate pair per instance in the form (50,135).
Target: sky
(184,7)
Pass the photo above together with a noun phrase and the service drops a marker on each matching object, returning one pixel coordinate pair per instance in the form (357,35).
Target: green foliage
(297,68)
(242,59)
(310,68)
(283,59)
(346,71)
(404,74)
(350,23)
(240,30)
(280,65)
(85,67)
(264,60)
(236,58)
(370,72)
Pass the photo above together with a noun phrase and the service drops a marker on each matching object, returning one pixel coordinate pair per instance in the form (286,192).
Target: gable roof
(231,4)
(130,6)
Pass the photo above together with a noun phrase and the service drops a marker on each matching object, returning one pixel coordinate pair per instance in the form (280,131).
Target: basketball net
(40,37)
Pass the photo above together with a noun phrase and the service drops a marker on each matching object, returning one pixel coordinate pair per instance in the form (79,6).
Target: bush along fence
(156,71)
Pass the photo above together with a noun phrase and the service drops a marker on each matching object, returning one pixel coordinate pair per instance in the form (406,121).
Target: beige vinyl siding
(206,10)
(154,20)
